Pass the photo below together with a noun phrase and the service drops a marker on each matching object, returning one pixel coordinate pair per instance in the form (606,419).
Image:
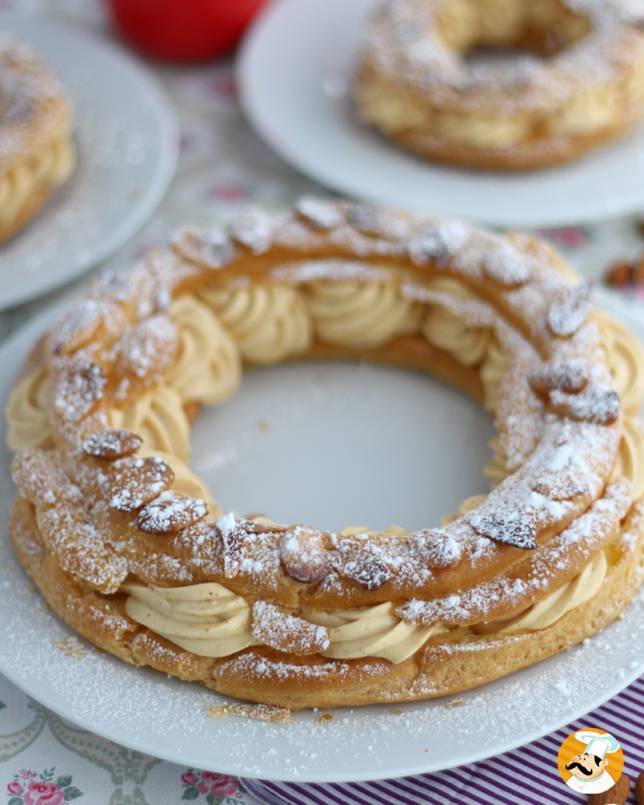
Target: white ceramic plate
(295,73)
(333,444)
(127,149)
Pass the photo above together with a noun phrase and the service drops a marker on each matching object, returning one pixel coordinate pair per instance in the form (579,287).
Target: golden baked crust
(583,86)
(128,548)
(36,150)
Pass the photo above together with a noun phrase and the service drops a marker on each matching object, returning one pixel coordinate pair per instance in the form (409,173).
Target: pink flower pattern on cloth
(45,788)
(216,788)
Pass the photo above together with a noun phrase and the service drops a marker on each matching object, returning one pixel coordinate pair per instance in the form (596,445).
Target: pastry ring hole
(336,444)
(502,32)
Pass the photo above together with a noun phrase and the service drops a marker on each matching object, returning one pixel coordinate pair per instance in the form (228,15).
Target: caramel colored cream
(211,621)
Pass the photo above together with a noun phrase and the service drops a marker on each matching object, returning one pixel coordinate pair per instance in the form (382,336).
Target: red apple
(183,30)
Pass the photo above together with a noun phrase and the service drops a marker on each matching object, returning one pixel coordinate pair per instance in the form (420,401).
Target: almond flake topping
(303,556)
(560,486)
(510,528)
(170,513)
(41,480)
(211,247)
(148,349)
(368,567)
(77,327)
(597,405)
(438,548)
(111,444)
(318,212)
(505,264)
(375,221)
(437,243)
(570,376)
(282,631)
(137,481)
(78,390)
(567,315)
(253,230)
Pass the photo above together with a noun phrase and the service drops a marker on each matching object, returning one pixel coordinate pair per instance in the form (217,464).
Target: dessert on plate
(36,148)
(131,550)
(576,81)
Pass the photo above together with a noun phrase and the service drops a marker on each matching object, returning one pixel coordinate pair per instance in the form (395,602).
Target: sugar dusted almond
(303,556)
(320,213)
(560,486)
(505,265)
(41,480)
(567,315)
(170,513)
(148,349)
(367,566)
(77,390)
(77,327)
(510,528)
(111,444)
(252,229)
(569,376)
(137,481)
(375,221)
(211,247)
(597,405)
(277,628)
(437,548)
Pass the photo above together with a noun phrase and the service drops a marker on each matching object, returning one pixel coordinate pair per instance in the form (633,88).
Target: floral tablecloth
(222,166)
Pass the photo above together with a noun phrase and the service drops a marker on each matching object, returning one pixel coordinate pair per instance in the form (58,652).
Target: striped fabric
(490,782)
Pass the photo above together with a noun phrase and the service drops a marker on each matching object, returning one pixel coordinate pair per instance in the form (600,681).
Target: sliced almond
(277,628)
(113,443)
(78,390)
(137,481)
(170,513)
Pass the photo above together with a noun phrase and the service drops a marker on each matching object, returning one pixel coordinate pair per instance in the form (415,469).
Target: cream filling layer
(211,621)
(47,169)
(26,412)
(556,604)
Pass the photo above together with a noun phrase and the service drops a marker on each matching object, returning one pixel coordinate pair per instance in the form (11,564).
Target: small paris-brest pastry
(578,83)
(36,147)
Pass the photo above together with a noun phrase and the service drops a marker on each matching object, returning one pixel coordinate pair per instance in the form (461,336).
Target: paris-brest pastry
(36,148)
(131,550)
(553,78)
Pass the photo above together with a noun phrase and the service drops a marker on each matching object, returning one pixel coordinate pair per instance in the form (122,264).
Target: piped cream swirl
(208,366)
(361,315)
(159,418)
(26,412)
(626,358)
(206,619)
(269,323)
(47,169)
(556,604)
(371,632)
(445,330)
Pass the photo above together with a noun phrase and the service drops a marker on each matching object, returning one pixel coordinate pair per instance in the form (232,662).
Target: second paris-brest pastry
(576,81)
(132,551)
(36,149)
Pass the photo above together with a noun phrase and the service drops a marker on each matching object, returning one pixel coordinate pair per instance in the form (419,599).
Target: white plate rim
(152,194)
(602,206)
(39,325)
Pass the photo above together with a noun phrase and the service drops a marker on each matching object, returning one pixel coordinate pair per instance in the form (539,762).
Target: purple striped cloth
(490,782)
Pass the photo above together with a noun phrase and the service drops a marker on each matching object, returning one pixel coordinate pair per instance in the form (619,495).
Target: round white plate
(334,444)
(127,144)
(295,73)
